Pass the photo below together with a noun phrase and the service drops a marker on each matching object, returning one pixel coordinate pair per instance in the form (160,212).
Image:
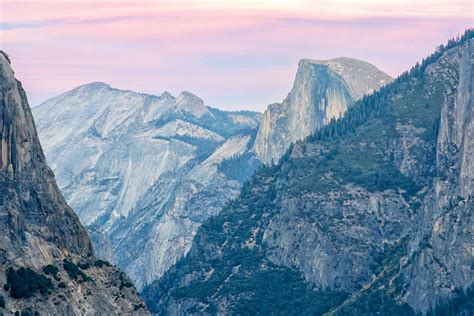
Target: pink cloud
(232,58)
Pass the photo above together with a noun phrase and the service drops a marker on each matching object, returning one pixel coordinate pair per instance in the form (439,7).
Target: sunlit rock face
(322,90)
(38,228)
(148,170)
(441,250)
(144,170)
(374,219)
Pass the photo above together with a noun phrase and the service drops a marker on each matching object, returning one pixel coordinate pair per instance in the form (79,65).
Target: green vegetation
(100,263)
(461,304)
(24,283)
(284,292)
(84,265)
(372,122)
(124,282)
(222,267)
(239,168)
(377,105)
(75,272)
(138,306)
(243,275)
(2,301)
(27,312)
(380,298)
(365,169)
(357,143)
(52,270)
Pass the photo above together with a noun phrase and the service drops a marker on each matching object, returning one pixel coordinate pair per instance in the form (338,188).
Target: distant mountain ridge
(47,264)
(93,117)
(148,170)
(370,215)
(323,90)
(118,153)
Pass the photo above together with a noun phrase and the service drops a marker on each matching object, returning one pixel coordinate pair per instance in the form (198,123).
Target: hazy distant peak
(186,95)
(190,103)
(360,76)
(93,86)
(166,95)
(341,59)
(5,55)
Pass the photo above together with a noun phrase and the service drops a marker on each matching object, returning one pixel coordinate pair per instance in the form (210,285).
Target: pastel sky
(236,54)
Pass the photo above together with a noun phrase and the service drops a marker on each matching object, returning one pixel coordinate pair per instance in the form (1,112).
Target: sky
(236,54)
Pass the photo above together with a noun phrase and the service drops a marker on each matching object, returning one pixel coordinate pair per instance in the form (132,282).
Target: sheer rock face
(443,243)
(166,219)
(323,90)
(142,169)
(38,227)
(33,210)
(333,212)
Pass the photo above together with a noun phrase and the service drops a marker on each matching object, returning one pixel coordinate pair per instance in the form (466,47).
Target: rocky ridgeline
(370,215)
(323,90)
(47,263)
(144,170)
(148,170)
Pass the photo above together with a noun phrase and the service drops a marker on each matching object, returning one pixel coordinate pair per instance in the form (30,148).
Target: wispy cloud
(232,53)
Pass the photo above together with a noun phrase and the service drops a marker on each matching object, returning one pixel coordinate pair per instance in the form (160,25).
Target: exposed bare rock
(144,170)
(442,251)
(39,228)
(372,215)
(323,90)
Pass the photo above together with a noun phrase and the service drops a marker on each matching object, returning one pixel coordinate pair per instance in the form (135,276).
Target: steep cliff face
(31,201)
(167,217)
(103,142)
(40,229)
(323,90)
(143,169)
(373,214)
(442,250)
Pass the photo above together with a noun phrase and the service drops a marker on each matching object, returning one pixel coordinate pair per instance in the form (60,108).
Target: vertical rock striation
(323,90)
(442,250)
(373,214)
(144,170)
(39,228)
(31,201)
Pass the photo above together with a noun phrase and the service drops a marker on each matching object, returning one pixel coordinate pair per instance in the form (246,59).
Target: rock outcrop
(154,168)
(323,90)
(442,247)
(144,170)
(39,229)
(373,214)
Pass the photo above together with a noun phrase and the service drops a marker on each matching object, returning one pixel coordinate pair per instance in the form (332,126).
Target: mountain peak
(186,95)
(166,95)
(96,85)
(360,76)
(6,56)
(190,103)
(39,229)
(322,90)
(341,59)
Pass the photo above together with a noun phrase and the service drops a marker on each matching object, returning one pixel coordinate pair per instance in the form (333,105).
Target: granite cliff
(47,264)
(148,170)
(144,170)
(372,214)
(323,90)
